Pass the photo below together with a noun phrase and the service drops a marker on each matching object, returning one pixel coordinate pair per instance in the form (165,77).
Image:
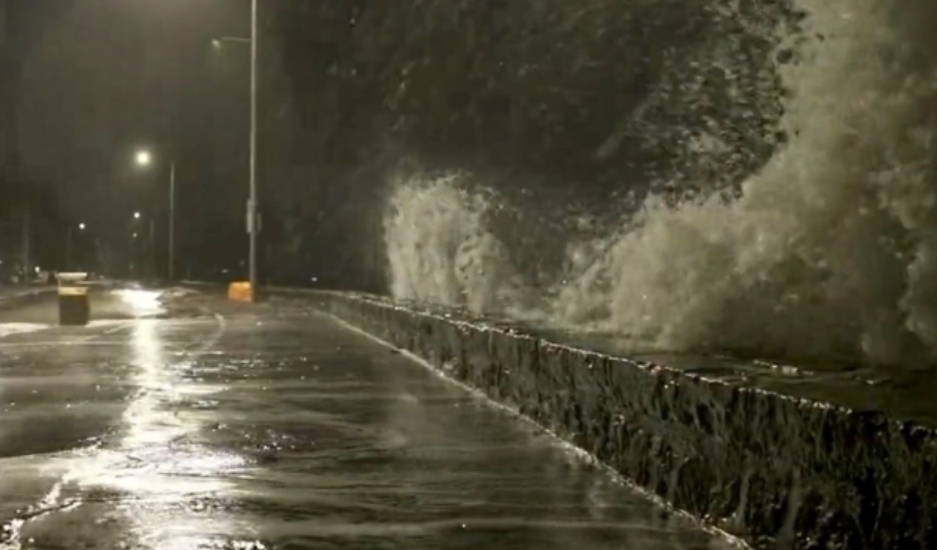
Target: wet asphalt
(194,423)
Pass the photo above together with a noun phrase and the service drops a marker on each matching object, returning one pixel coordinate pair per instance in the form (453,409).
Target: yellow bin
(240,291)
(74,306)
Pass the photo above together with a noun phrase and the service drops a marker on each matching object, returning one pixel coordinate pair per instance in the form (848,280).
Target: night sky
(101,78)
(561,110)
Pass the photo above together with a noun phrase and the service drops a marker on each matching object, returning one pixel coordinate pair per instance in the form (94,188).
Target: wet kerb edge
(777,471)
(20,299)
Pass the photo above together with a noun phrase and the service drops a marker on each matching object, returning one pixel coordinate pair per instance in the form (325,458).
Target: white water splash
(442,251)
(830,250)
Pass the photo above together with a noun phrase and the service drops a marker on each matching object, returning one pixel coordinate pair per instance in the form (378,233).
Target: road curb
(25,297)
(776,470)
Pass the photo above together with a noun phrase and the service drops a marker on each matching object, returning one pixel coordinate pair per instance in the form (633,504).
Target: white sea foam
(831,248)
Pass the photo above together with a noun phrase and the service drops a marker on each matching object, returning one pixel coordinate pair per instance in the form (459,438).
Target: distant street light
(143,158)
(68,243)
(219,42)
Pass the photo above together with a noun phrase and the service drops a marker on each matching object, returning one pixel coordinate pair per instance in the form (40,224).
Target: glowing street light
(68,242)
(143,158)
(219,42)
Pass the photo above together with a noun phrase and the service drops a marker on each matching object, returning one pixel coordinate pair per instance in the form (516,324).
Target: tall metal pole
(26,243)
(172,219)
(154,272)
(252,201)
(100,267)
(68,248)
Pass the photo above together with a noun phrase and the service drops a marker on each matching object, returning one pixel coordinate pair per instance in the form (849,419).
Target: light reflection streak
(157,469)
(163,464)
(143,303)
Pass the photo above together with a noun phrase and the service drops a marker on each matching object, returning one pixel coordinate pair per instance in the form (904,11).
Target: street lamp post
(252,201)
(172,221)
(68,244)
(137,254)
(252,207)
(144,159)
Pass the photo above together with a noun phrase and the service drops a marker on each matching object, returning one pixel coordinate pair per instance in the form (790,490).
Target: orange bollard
(240,291)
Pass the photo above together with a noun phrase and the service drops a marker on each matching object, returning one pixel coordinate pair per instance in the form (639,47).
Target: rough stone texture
(779,470)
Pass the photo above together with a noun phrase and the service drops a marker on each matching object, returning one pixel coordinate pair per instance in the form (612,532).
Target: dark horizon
(95,81)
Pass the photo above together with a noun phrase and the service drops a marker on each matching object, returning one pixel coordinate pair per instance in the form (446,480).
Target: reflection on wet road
(257,430)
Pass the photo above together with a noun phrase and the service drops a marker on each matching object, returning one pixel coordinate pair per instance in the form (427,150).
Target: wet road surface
(221,426)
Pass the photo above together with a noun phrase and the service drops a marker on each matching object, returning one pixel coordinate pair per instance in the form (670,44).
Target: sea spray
(829,250)
(441,250)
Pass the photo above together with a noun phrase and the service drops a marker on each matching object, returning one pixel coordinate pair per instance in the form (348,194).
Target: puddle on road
(142,303)
(289,437)
(329,463)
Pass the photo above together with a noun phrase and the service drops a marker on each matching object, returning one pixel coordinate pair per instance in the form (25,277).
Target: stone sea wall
(776,470)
